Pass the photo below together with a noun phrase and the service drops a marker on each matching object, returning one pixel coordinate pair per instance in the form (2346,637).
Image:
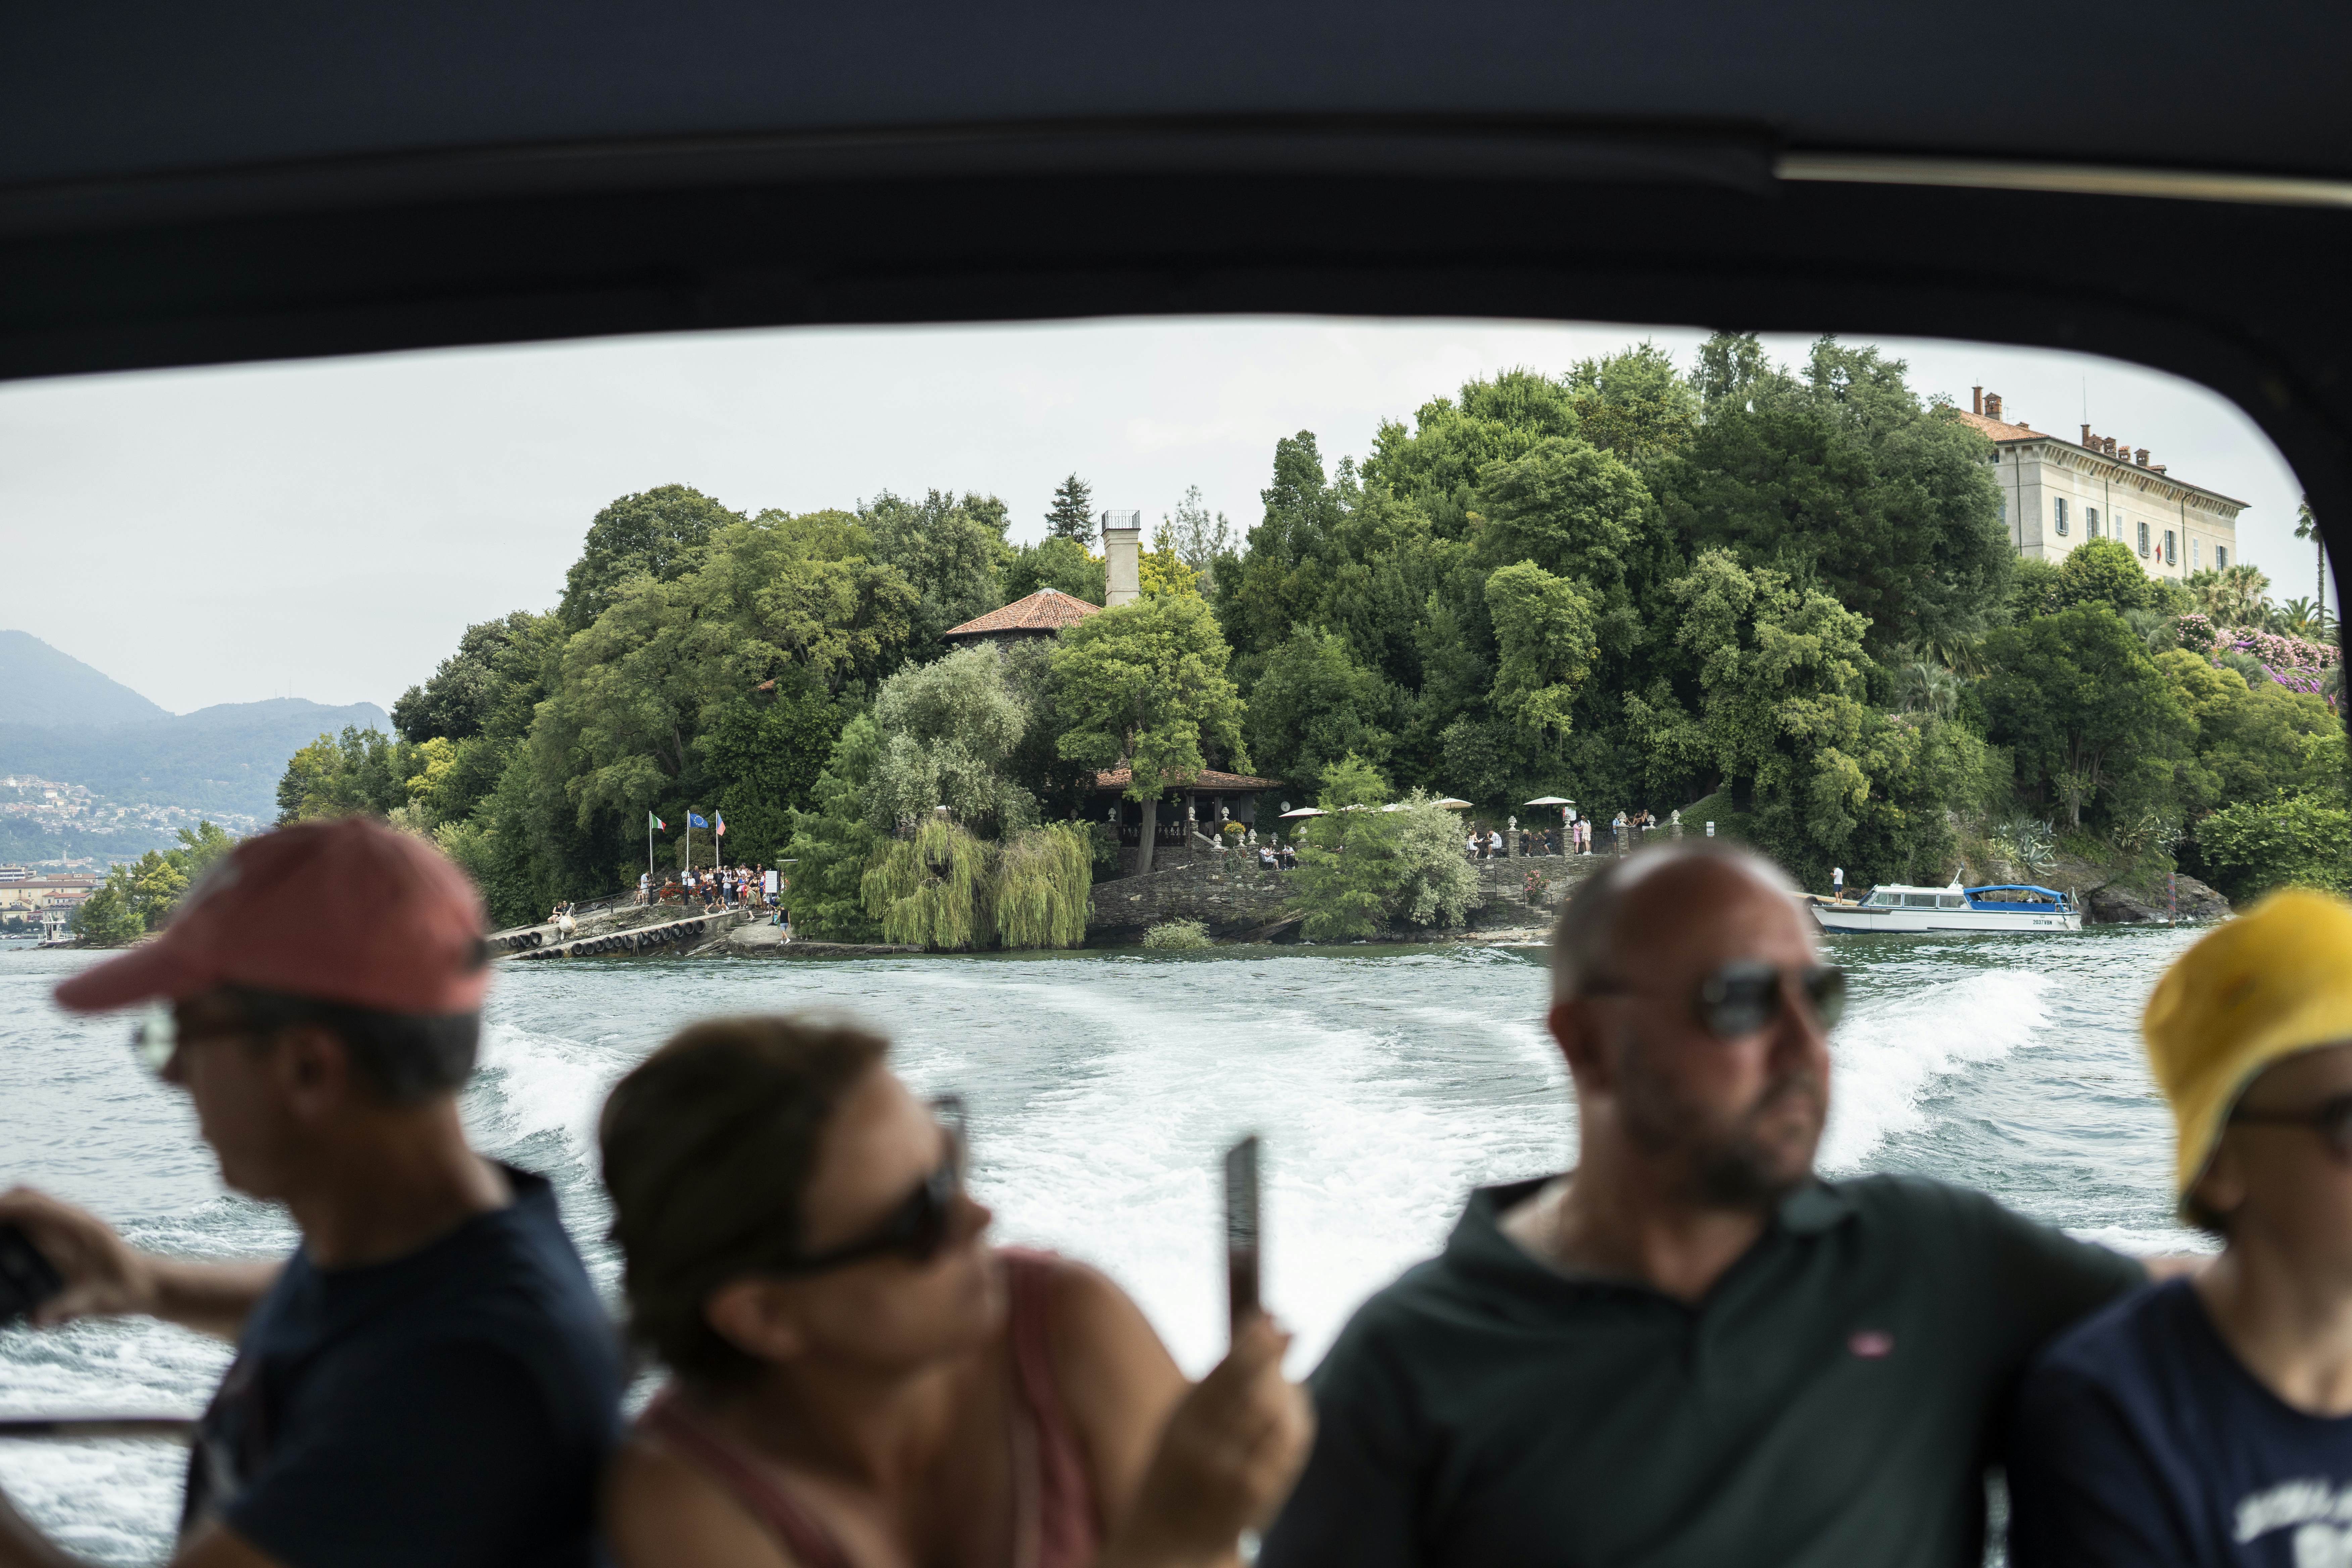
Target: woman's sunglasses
(2332,1120)
(1743,997)
(919,1226)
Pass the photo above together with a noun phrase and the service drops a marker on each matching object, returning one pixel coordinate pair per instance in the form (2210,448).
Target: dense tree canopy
(659,533)
(1780,595)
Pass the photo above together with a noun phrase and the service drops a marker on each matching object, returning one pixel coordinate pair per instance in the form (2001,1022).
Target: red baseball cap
(347,912)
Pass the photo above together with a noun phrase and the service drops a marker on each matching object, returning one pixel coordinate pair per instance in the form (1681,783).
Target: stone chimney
(2140,456)
(1122,533)
(2107,445)
(1993,404)
(1976,400)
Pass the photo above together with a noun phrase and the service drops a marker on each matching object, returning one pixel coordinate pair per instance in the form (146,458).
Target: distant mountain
(39,685)
(225,758)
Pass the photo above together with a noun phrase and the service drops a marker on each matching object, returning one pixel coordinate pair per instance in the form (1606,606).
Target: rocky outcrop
(2116,904)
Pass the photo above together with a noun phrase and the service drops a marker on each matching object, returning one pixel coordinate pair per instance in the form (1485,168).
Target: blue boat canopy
(1977,895)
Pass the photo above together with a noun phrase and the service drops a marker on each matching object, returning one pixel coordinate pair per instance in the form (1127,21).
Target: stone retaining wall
(1229,893)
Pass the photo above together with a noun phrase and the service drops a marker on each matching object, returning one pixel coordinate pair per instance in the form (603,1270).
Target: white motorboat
(1892,906)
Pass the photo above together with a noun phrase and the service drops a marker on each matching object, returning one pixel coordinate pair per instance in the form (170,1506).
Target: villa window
(2220,558)
(2196,554)
(2061,515)
(2143,540)
(2170,559)
(2090,522)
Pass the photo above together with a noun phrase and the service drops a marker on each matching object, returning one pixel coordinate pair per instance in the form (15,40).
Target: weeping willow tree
(1042,887)
(933,890)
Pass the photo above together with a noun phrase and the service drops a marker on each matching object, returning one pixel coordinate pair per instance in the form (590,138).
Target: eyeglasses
(918,1227)
(158,1035)
(2332,1120)
(1742,997)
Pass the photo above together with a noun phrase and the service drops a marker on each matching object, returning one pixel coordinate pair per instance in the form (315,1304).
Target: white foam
(1890,1050)
(532,1082)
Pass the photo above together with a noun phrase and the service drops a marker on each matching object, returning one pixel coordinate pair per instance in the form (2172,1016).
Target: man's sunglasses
(919,1226)
(2332,1120)
(1741,998)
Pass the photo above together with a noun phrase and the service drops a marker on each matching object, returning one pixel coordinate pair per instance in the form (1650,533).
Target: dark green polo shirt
(1833,1400)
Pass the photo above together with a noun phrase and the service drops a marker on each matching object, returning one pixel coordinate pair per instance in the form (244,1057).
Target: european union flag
(694,821)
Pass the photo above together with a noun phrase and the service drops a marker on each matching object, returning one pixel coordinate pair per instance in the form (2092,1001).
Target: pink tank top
(1055,1522)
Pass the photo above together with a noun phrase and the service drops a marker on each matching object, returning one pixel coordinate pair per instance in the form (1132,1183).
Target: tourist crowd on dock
(1691,1348)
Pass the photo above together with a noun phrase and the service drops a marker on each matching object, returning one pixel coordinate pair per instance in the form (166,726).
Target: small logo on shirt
(1870,1344)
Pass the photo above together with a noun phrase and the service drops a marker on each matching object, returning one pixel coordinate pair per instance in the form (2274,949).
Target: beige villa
(2056,493)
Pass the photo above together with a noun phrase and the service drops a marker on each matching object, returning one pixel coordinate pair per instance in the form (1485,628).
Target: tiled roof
(1209,779)
(2002,431)
(1047,610)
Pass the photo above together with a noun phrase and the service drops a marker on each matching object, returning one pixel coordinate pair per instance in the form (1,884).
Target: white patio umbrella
(1549,800)
(1452,803)
(1303,811)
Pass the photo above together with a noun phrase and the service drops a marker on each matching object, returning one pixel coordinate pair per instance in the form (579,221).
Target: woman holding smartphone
(858,1378)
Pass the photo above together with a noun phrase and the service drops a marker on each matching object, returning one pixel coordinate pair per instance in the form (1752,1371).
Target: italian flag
(658,822)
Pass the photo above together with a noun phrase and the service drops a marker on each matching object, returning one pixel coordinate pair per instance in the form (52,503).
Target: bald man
(1689,1350)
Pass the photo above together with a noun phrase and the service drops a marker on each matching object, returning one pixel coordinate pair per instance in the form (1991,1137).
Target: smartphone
(27,1279)
(1241,1231)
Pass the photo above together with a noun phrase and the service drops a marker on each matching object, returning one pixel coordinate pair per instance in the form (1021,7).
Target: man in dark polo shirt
(1689,1352)
(429,1379)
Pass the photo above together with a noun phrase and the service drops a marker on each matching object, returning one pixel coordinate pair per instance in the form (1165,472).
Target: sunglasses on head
(919,1226)
(2331,1119)
(1742,997)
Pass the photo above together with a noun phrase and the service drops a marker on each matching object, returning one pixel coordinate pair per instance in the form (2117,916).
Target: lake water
(1101,1086)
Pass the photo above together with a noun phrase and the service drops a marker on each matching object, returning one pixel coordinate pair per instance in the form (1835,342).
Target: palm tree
(2307,527)
(2242,596)
(2306,619)
(1925,687)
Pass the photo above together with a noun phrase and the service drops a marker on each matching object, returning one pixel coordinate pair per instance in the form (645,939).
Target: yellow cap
(2269,984)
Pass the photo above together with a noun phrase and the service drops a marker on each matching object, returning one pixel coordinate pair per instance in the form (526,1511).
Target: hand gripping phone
(1241,1231)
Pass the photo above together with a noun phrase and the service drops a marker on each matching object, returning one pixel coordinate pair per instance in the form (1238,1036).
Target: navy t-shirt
(2139,1438)
(454,1406)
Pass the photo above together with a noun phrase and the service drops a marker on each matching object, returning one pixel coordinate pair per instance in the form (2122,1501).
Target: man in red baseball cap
(429,1378)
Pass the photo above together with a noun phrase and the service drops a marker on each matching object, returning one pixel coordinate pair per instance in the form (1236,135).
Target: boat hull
(1869,917)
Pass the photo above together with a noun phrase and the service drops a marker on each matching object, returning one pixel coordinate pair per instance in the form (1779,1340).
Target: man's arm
(105,1275)
(22,1546)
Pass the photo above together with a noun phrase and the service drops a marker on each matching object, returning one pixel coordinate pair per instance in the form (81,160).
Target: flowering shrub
(2291,661)
(2196,632)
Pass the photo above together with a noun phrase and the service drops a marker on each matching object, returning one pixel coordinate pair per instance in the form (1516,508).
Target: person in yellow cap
(2210,1420)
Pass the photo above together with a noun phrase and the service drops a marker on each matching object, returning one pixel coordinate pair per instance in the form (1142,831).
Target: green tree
(1313,706)
(661,532)
(2251,847)
(1144,687)
(951,553)
(457,700)
(1543,632)
(1361,867)
(1072,515)
(2103,571)
(1043,877)
(1061,564)
(361,772)
(1566,506)
(949,731)
(763,751)
(931,886)
(833,844)
(138,896)
(1839,475)
(2086,710)
(1196,538)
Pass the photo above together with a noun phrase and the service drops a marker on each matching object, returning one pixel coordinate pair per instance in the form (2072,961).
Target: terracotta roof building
(1042,613)
(2056,494)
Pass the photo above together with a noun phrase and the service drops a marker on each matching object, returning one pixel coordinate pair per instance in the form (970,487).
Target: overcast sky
(325,530)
